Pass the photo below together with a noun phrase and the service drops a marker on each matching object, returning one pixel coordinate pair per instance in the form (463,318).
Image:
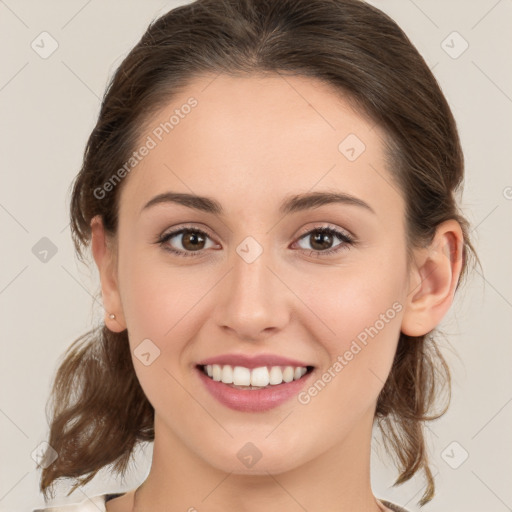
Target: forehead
(249,141)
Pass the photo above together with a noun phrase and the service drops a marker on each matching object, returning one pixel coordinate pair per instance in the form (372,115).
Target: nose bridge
(254,300)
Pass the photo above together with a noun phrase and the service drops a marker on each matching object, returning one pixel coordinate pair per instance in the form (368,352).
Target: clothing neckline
(389,505)
(98,503)
(111,496)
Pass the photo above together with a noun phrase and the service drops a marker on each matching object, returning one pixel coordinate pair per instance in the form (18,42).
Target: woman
(269,195)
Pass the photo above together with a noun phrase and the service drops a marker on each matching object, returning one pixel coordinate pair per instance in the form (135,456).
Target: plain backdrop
(49,104)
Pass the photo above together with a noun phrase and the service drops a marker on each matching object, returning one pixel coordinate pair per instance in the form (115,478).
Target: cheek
(162,304)
(360,311)
(160,307)
(352,300)
(158,299)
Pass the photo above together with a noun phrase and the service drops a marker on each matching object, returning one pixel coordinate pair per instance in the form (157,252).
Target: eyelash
(346,240)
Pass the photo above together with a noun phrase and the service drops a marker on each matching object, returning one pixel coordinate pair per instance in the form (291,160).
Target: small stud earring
(112,316)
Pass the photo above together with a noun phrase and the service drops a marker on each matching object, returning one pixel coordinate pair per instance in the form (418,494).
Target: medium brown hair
(99,410)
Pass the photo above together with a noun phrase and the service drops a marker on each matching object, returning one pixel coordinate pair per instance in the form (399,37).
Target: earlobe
(433,280)
(105,261)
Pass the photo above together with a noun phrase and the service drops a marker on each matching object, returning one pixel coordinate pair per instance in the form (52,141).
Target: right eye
(191,239)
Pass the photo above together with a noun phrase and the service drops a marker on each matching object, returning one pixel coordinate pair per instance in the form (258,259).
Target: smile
(241,377)
(253,389)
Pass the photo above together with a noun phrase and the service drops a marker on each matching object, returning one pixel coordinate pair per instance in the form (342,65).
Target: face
(254,278)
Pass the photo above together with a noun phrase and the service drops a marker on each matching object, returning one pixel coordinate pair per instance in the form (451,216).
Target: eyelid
(186,226)
(321,225)
(304,231)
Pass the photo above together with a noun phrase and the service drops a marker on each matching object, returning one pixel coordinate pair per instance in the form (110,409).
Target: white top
(94,504)
(97,504)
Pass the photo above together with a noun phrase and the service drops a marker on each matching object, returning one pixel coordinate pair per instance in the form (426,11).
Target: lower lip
(256,400)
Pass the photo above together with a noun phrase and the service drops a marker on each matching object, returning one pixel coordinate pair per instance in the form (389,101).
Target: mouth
(256,382)
(240,377)
(253,389)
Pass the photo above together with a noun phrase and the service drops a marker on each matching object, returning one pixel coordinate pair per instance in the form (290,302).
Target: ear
(104,256)
(433,279)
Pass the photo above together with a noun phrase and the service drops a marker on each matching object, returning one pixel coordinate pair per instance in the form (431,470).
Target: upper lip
(252,361)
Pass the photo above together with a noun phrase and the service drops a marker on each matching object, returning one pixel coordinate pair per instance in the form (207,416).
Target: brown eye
(191,241)
(321,240)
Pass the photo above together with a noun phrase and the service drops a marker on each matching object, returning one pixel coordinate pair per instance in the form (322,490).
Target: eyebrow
(291,204)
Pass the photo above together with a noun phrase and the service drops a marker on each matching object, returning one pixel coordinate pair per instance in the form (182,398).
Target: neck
(337,480)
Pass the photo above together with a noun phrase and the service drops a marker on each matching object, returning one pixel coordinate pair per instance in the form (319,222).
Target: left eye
(325,235)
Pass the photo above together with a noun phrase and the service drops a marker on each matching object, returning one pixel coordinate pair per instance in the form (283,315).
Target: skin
(250,143)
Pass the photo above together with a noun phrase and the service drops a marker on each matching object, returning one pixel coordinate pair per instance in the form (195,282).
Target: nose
(254,301)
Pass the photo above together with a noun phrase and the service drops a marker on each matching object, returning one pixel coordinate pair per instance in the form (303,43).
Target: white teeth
(257,377)
(275,375)
(260,377)
(241,375)
(227,375)
(288,374)
(217,372)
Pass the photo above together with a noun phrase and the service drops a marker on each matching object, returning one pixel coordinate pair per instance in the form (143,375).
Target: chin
(255,459)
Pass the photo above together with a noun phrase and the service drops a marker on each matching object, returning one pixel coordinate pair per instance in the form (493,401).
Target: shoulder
(393,507)
(93,504)
(97,504)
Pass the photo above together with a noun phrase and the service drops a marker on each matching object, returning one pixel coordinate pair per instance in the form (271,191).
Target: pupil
(321,237)
(193,238)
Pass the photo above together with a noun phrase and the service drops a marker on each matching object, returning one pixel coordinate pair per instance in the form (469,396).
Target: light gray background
(49,106)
